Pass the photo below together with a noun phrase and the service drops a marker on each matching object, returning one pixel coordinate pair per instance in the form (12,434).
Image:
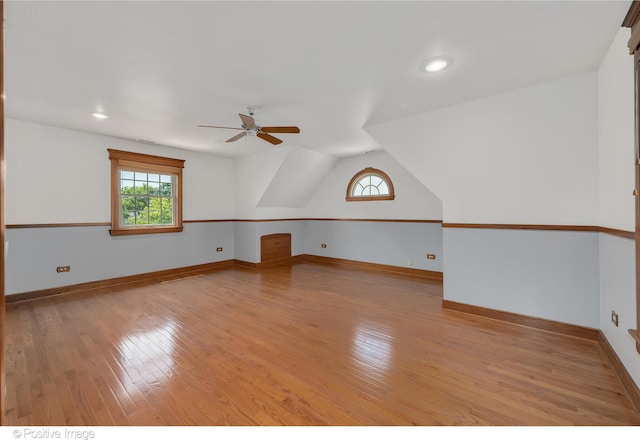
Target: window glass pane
(128,218)
(126,186)
(154,203)
(128,203)
(154,217)
(167,218)
(167,204)
(373,191)
(166,179)
(383,188)
(154,177)
(141,203)
(132,218)
(142,217)
(126,175)
(153,188)
(375,180)
(140,176)
(141,187)
(364,181)
(364,185)
(166,189)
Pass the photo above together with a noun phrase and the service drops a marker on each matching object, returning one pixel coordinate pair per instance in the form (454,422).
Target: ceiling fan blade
(236,137)
(248,121)
(216,126)
(269,138)
(280,130)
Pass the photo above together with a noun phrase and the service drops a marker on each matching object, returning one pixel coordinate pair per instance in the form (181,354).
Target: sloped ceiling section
(253,175)
(297,178)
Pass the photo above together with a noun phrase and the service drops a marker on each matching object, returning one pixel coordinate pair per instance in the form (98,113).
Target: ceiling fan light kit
(249,127)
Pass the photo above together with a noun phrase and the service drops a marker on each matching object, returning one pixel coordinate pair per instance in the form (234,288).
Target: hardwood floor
(308,344)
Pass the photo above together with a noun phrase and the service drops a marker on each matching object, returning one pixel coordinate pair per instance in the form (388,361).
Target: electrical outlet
(323,246)
(219,249)
(614,318)
(431,256)
(63,269)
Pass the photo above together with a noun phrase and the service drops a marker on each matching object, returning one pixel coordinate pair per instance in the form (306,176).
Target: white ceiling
(160,68)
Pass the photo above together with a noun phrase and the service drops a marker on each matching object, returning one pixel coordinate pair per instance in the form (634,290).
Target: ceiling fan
(249,126)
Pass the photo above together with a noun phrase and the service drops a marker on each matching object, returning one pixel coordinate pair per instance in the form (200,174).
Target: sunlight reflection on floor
(373,349)
(147,357)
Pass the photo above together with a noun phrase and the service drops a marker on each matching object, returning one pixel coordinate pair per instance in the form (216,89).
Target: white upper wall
(528,156)
(44,162)
(616,136)
(56,175)
(413,200)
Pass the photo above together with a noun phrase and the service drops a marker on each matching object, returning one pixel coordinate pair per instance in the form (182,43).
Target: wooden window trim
(143,162)
(364,172)
(632,20)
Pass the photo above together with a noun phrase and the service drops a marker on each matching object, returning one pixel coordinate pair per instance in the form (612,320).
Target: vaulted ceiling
(159,69)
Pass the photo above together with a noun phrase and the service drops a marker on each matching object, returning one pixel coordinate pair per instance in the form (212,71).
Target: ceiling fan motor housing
(249,127)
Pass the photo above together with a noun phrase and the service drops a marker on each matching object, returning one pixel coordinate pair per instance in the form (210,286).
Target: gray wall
(390,243)
(618,293)
(546,274)
(245,242)
(34,253)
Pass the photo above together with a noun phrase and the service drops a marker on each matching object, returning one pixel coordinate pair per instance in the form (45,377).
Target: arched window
(370,184)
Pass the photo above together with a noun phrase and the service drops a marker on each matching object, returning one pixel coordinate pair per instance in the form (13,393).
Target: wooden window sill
(151,230)
(368,198)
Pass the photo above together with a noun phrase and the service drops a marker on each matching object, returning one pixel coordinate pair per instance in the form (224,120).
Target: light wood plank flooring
(307,344)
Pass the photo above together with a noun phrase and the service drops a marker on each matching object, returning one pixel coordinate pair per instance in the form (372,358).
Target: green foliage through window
(146,198)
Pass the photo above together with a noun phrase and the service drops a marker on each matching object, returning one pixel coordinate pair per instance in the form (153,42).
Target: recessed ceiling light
(435,65)
(99,115)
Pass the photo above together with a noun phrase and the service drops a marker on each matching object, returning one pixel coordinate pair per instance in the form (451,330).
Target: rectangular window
(146,193)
